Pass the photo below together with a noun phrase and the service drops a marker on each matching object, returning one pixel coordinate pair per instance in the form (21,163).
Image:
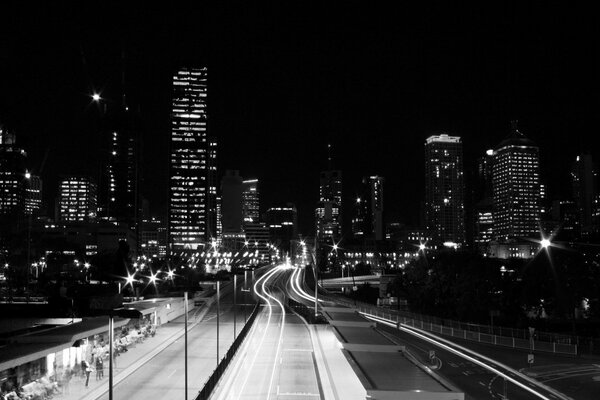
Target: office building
(77,199)
(444,188)
(118,199)
(153,238)
(516,187)
(33,195)
(192,178)
(250,201)
(328,214)
(231,203)
(583,177)
(368,219)
(13,175)
(283,225)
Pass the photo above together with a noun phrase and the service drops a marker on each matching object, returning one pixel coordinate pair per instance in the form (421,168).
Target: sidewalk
(126,363)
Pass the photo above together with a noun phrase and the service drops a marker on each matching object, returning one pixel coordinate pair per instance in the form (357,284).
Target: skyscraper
(368,221)
(328,214)
(444,188)
(118,187)
(483,209)
(192,178)
(78,200)
(12,175)
(33,194)
(283,224)
(516,186)
(231,206)
(583,176)
(251,201)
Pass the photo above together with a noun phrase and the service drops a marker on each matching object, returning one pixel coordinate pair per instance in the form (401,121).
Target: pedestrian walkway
(127,362)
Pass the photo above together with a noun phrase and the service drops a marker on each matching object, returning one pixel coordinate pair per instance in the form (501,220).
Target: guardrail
(513,342)
(213,380)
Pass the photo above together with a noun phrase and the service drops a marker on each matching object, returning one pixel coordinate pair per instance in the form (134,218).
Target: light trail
(263,278)
(280,333)
(302,293)
(296,286)
(461,352)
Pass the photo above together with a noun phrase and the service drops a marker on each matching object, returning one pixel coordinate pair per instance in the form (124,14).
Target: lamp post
(185,310)
(123,313)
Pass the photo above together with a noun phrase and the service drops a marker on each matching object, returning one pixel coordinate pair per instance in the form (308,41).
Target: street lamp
(96,97)
(545,243)
(123,313)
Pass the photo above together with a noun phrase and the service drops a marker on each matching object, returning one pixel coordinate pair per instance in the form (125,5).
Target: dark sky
(286,80)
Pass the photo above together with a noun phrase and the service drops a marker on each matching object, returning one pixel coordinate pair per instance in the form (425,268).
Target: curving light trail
(261,283)
(462,352)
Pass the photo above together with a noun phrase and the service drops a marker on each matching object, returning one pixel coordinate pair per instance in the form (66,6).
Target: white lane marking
(171,374)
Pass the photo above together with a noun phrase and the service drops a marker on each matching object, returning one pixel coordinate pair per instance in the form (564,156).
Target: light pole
(123,313)
(185,310)
(218,309)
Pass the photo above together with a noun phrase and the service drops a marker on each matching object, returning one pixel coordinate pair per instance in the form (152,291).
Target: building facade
(444,188)
(250,201)
(516,187)
(78,200)
(328,214)
(192,178)
(583,177)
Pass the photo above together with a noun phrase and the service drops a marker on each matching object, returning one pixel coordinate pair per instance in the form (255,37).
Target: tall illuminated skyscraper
(444,188)
(250,201)
(328,213)
(13,175)
(516,186)
(193,152)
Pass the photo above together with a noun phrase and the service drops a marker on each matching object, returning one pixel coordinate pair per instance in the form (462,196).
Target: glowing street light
(129,280)
(545,243)
(96,97)
(422,246)
(153,279)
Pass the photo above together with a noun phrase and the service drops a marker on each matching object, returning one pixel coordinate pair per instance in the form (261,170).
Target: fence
(213,380)
(461,330)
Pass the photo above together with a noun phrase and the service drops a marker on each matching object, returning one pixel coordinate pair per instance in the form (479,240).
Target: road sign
(530,358)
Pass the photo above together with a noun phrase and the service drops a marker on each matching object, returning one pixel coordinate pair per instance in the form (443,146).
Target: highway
(277,359)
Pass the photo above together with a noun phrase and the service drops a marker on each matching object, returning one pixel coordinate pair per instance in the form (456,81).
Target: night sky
(286,80)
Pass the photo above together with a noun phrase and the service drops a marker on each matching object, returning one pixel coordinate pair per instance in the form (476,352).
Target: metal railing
(471,332)
(213,380)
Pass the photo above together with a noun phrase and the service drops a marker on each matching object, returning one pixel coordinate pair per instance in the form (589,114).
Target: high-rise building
(483,209)
(444,188)
(359,229)
(192,179)
(33,194)
(13,175)
(583,176)
(283,224)
(368,221)
(250,201)
(231,206)
(328,213)
(118,187)
(153,238)
(516,185)
(78,200)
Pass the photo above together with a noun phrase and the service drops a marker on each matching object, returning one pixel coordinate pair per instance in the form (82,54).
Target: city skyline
(369,133)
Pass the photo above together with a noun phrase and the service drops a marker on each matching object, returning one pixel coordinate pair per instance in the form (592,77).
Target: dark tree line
(466,286)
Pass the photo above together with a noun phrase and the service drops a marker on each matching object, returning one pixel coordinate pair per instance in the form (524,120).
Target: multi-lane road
(277,360)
